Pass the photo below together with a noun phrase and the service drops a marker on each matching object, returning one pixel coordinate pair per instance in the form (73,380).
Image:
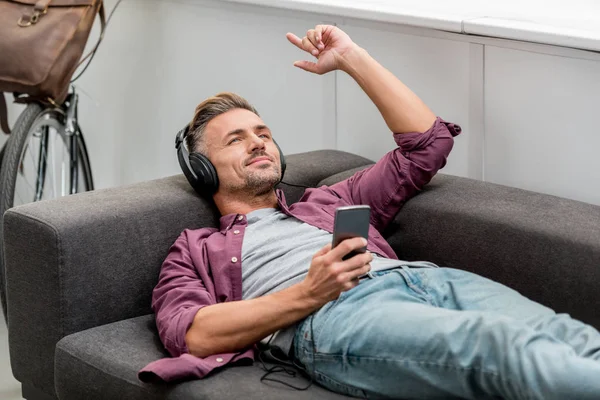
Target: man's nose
(256,144)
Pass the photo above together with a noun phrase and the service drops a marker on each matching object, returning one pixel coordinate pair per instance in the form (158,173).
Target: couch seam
(136,383)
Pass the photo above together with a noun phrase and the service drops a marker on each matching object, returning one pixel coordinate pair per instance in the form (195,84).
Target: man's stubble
(258,181)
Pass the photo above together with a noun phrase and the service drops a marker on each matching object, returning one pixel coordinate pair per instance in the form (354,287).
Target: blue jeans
(441,333)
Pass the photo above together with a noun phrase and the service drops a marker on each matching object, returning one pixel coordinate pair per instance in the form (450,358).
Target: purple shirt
(203,266)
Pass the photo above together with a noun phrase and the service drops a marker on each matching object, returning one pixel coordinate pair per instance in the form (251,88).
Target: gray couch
(80,272)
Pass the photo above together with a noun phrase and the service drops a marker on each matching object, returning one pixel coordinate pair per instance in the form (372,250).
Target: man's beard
(259,181)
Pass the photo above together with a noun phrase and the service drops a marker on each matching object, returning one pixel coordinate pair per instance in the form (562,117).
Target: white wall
(159,61)
(527,110)
(437,70)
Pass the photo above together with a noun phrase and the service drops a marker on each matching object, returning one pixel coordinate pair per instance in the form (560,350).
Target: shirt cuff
(411,141)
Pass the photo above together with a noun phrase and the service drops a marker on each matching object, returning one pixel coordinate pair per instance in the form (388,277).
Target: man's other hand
(329,275)
(328,43)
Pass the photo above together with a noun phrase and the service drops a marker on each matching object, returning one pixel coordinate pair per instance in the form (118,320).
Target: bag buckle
(26,20)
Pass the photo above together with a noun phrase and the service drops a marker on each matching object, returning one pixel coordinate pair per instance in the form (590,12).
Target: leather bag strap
(4,114)
(102,16)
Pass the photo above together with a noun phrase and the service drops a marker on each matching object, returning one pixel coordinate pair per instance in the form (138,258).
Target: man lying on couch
(407,330)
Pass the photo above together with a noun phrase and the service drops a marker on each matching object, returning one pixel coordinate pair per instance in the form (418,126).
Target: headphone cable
(280,368)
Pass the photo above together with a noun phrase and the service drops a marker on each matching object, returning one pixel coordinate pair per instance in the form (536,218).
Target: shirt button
(219,359)
(241,217)
(236,232)
(233,259)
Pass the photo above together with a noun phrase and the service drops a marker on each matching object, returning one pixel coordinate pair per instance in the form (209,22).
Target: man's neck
(243,203)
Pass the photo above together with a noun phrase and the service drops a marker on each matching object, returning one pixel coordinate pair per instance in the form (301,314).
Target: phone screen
(351,221)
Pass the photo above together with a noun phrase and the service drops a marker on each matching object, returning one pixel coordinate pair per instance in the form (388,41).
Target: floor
(10,388)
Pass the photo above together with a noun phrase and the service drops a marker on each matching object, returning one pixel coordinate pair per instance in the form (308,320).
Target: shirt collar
(229,220)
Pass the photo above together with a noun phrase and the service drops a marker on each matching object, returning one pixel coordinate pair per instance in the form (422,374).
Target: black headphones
(198,169)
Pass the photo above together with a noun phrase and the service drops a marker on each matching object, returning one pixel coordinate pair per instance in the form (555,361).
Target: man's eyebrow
(240,131)
(234,132)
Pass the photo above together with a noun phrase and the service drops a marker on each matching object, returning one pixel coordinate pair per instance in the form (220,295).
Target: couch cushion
(340,176)
(103,362)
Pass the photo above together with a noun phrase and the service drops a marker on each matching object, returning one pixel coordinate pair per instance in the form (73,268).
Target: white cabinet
(439,71)
(541,128)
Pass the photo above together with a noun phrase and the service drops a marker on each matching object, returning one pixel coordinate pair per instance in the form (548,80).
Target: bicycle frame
(41,173)
(71,132)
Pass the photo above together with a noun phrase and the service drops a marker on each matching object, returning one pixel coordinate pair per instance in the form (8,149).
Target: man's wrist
(350,59)
(303,296)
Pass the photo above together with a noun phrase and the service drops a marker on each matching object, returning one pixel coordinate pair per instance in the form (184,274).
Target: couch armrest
(93,258)
(547,248)
(87,260)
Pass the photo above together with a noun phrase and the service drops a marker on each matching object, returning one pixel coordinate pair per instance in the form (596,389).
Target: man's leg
(384,338)
(462,290)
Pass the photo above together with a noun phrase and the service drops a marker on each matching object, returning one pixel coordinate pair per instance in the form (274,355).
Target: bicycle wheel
(2,154)
(37,166)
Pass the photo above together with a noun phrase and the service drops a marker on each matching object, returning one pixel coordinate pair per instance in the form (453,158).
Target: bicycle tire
(84,157)
(2,153)
(8,173)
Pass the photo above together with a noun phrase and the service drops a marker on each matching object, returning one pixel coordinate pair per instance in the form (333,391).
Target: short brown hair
(209,109)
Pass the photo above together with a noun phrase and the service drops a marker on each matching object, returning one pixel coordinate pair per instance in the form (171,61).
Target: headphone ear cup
(281,160)
(208,180)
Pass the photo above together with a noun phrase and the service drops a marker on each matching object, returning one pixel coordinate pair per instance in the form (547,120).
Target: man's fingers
(319,29)
(309,47)
(345,247)
(357,262)
(313,38)
(358,272)
(307,66)
(295,40)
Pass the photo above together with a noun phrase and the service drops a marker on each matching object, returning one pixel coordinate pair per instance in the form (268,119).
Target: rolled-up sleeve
(178,296)
(401,173)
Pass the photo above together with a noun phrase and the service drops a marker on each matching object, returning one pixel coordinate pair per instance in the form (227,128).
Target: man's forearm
(232,326)
(402,110)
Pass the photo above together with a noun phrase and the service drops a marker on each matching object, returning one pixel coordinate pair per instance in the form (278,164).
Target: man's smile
(258,160)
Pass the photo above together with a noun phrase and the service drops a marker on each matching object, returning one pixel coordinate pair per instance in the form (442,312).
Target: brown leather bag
(41,44)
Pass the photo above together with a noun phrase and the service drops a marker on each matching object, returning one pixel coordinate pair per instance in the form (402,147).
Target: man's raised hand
(328,43)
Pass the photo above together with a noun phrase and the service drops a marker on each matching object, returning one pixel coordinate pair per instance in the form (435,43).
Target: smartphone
(351,221)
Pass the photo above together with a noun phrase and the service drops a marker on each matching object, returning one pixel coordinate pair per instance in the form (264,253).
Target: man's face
(241,148)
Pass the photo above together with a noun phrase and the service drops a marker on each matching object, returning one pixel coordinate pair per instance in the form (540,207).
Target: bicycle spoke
(54,191)
(31,154)
(26,181)
(20,199)
(45,160)
(62,174)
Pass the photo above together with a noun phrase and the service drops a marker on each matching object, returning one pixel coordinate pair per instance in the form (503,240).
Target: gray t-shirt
(277,251)
(276,254)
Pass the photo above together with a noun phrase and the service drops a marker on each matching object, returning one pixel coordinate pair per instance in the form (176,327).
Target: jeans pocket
(320,318)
